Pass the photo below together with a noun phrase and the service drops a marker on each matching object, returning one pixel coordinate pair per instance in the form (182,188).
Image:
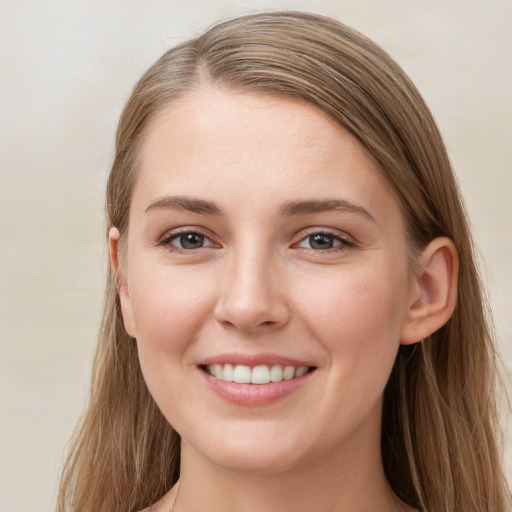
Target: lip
(253,395)
(254,360)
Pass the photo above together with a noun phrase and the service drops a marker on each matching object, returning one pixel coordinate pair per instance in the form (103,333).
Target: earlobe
(122,286)
(434,291)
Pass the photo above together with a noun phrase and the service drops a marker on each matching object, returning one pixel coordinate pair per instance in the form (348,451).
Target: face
(264,245)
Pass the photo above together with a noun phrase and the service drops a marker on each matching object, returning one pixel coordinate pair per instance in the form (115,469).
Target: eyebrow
(288,209)
(304,207)
(185,203)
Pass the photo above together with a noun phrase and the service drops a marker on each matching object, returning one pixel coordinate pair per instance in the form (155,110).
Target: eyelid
(166,239)
(176,237)
(342,235)
(345,239)
(169,236)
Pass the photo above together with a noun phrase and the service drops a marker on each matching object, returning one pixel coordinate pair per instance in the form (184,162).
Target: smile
(261,374)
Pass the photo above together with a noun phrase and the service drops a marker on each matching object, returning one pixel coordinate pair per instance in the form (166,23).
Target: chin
(256,450)
(254,463)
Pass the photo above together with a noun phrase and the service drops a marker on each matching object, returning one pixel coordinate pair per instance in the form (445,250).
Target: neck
(357,485)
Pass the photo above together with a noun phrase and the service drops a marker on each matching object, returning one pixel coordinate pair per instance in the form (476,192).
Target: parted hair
(440,433)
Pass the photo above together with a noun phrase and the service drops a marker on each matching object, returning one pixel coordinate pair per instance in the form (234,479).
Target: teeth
(276,373)
(300,371)
(217,371)
(242,374)
(288,372)
(262,374)
(229,373)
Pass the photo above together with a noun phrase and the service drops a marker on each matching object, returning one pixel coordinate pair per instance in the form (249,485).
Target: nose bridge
(250,297)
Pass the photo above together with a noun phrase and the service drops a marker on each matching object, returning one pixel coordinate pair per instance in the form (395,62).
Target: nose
(251,298)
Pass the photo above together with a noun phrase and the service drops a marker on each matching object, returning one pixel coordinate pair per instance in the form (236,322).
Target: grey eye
(190,241)
(321,241)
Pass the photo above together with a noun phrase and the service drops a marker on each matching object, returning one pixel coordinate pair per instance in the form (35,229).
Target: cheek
(357,315)
(170,306)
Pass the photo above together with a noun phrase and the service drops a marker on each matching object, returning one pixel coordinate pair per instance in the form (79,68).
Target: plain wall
(67,68)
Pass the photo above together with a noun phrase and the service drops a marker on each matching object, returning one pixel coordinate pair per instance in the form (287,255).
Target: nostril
(250,312)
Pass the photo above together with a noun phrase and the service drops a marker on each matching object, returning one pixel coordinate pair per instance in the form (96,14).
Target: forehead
(217,140)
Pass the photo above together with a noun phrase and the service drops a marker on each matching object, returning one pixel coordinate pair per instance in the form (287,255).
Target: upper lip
(254,360)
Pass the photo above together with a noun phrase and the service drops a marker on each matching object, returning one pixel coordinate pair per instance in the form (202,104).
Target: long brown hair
(440,430)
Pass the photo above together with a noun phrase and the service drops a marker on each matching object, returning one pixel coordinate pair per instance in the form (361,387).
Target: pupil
(191,241)
(321,241)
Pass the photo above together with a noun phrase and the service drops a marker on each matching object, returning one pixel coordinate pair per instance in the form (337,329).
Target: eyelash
(167,239)
(341,243)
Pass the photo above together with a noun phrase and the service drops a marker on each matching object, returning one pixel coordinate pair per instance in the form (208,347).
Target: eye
(323,241)
(187,241)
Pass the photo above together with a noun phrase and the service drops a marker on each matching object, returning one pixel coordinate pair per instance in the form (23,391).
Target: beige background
(66,69)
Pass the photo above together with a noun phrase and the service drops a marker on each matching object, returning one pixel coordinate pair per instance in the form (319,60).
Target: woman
(293,318)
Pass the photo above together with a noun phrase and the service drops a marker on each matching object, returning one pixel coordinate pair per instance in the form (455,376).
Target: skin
(259,285)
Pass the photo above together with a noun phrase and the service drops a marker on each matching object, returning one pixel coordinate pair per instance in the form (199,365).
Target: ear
(433,291)
(122,286)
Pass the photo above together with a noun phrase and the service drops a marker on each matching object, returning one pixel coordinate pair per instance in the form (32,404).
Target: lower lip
(254,394)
